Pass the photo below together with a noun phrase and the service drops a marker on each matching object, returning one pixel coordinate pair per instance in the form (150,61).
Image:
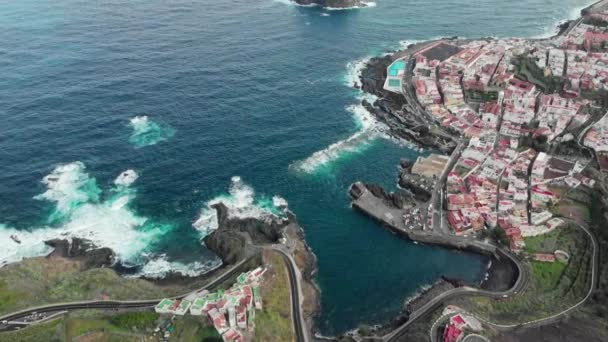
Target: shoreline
(498,271)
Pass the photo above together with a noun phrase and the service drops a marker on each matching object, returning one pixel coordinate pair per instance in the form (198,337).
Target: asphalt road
(299,324)
(519,285)
(294,284)
(107,305)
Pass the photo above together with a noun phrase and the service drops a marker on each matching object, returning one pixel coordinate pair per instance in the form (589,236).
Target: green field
(126,326)
(552,287)
(39,281)
(193,329)
(46,332)
(563,238)
(273,322)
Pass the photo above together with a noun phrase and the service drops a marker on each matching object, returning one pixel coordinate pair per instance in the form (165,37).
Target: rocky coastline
(238,238)
(334,4)
(82,250)
(403,122)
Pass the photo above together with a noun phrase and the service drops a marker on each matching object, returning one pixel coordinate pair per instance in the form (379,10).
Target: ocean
(122,121)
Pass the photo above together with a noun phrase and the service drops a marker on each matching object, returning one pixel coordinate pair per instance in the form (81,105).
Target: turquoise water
(394,68)
(258,89)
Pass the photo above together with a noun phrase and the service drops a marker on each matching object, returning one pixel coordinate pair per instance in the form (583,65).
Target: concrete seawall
(374,207)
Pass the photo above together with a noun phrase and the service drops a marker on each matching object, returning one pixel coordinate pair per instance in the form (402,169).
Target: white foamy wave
(403,44)
(241,203)
(324,14)
(293,3)
(79,213)
(279,201)
(160,266)
(368,129)
(353,71)
(553,28)
(369,4)
(69,186)
(147,132)
(20,244)
(126,178)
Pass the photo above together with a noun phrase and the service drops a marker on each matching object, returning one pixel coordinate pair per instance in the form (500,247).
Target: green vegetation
(547,274)
(7,298)
(599,96)
(44,332)
(574,205)
(135,320)
(39,281)
(538,143)
(497,234)
(193,329)
(477,96)
(552,287)
(599,226)
(75,327)
(563,238)
(527,70)
(128,326)
(273,323)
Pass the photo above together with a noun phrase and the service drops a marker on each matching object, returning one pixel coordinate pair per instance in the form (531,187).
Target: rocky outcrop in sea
(333,3)
(83,250)
(234,236)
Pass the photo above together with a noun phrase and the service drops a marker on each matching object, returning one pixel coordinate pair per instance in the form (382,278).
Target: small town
(292,171)
(499,178)
(231,311)
(518,111)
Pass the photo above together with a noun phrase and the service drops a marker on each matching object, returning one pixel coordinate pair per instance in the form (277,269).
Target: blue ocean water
(258,89)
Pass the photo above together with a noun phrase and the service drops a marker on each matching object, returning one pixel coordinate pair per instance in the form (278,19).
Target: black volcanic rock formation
(332,3)
(230,241)
(84,250)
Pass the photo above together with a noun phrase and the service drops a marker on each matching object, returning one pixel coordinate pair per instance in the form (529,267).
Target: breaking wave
(367,130)
(368,4)
(241,202)
(367,127)
(353,71)
(553,29)
(293,3)
(83,210)
(160,266)
(147,132)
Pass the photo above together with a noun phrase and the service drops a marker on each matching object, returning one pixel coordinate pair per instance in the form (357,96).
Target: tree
(499,235)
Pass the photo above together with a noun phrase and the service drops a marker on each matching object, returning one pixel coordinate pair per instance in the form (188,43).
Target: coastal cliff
(332,3)
(82,250)
(234,236)
(237,238)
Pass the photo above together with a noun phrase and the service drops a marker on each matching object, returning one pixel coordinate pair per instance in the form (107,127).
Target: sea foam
(366,126)
(83,210)
(367,129)
(147,132)
(160,266)
(241,202)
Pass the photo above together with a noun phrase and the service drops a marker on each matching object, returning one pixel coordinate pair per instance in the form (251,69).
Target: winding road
(519,285)
(20,318)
